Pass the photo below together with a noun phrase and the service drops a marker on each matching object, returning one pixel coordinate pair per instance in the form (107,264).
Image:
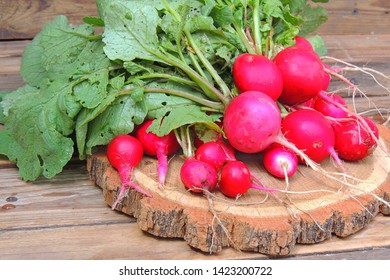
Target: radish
(236,179)
(329,109)
(305,44)
(212,153)
(251,121)
(257,72)
(303,73)
(124,152)
(160,146)
(280,161)
(198,176)
(215,153)
(311,132)
(354,142)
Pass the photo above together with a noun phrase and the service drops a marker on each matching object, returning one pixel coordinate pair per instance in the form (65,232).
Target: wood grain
(23,19)
(253,222)
(66,228)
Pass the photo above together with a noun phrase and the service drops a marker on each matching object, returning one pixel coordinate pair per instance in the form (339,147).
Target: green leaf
(94,21)
(318,45)
(88,115)
(130,31)
(3,106)
(53,54)
(39,145)
(178,116)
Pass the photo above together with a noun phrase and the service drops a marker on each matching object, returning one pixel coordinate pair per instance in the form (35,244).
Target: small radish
(280,161)
(198,176)
(303,73)
(354,142)
(236,179)
(311,132)
(160,146)
(124,152)
(213,153)
(257,72)
(330,110)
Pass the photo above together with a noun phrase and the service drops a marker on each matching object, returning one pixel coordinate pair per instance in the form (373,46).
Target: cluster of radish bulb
(282,111)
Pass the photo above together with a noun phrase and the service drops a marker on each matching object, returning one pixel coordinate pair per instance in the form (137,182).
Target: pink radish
(354,142)
(257,72)
(236,179)
(311,132)
(280,161)
(160,146)
(330,110)
(303,73)
(198,176)
(216,153)
(252,121)
(124,152)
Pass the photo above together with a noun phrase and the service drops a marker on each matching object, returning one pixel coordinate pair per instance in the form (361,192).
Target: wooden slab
(256,222)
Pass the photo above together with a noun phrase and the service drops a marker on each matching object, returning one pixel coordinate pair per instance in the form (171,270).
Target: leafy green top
(169,60)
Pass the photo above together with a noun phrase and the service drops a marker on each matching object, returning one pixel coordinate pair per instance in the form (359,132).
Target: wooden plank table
(66,217)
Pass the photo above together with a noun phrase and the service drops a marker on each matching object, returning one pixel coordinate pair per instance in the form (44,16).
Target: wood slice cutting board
(268,223)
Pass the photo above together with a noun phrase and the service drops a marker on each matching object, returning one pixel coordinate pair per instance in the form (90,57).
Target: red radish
(257,72)
(353,142)
(311,132)
(330,110)
(302,72)
(215,153)
(252,121)
(197,175)
(124,152)
(236,179)
(305,44)
(212,153)
(280,161)
(160,146)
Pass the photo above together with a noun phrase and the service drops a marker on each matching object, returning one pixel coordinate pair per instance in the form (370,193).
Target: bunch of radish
(316,119)
(282,114)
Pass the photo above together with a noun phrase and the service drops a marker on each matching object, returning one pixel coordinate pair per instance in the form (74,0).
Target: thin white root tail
(366,70)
